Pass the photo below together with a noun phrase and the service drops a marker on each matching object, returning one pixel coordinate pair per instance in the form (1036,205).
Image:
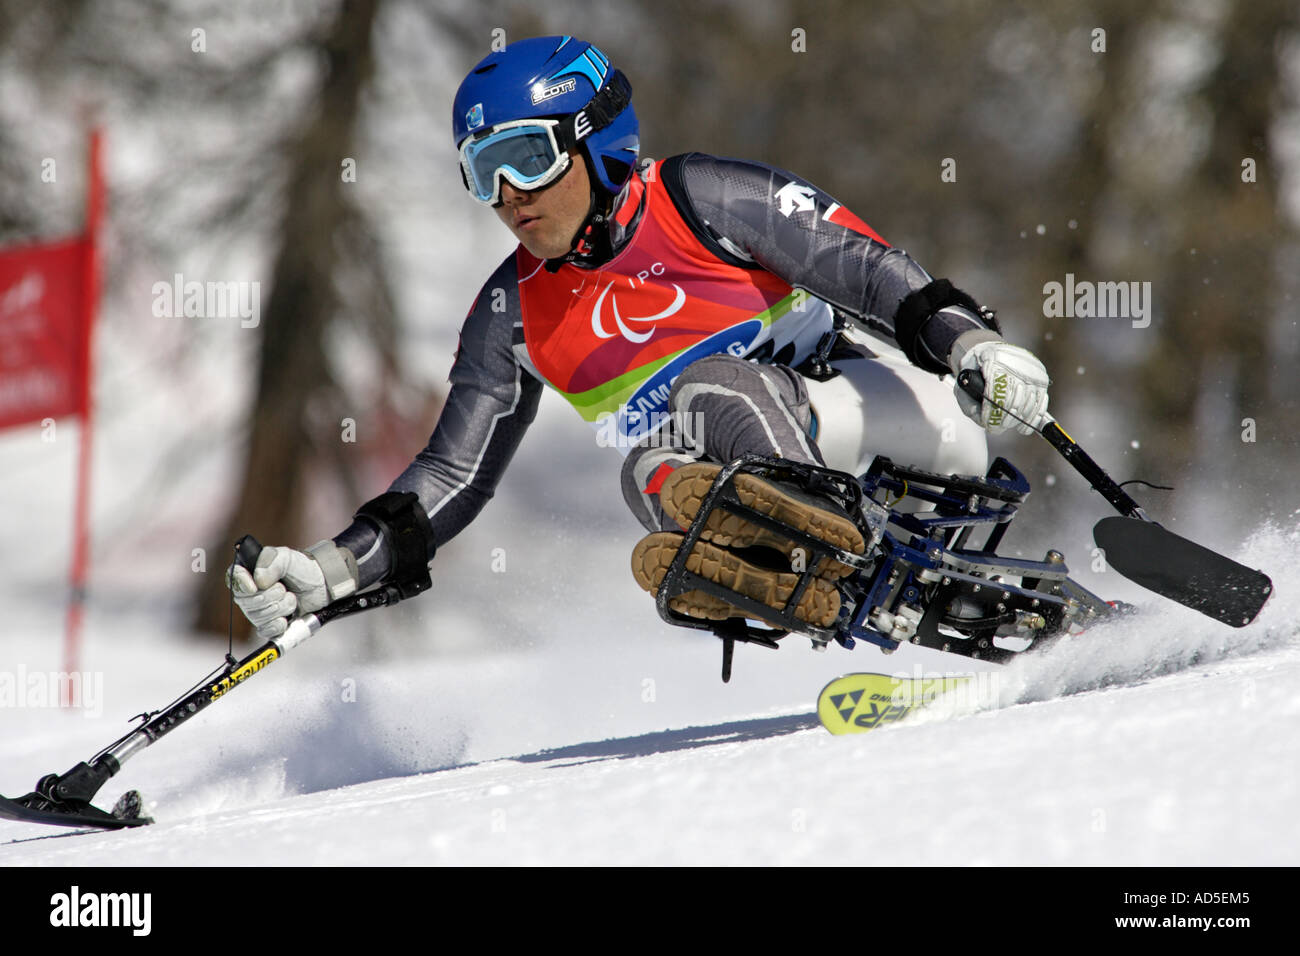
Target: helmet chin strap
(591,245)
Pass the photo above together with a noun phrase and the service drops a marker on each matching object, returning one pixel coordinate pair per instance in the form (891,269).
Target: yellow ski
(856,703)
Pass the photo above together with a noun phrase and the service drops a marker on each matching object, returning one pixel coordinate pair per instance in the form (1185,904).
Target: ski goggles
(525,153)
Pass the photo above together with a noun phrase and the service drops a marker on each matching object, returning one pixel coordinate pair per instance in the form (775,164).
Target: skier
(691,311)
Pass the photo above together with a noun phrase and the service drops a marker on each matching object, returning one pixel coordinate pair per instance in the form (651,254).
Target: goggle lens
(527,155)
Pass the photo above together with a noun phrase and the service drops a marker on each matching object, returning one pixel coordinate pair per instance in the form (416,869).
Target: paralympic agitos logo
(620,322)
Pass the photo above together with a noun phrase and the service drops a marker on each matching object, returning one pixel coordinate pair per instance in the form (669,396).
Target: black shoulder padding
(670,171)
(409,536)
(674,180)
(918,308)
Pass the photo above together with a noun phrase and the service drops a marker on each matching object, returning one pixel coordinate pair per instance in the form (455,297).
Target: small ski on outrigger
(65,799)
(926,579)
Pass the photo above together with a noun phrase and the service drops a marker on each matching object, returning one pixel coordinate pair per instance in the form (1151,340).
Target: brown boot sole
(654,554)
(684,490)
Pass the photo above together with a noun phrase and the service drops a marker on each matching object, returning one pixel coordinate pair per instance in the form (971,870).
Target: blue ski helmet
(556,77)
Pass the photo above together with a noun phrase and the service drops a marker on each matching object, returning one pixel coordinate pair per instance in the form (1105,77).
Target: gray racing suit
(741,211)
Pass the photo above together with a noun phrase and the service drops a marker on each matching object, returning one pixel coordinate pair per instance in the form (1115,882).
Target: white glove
(287,583)
(1013,377)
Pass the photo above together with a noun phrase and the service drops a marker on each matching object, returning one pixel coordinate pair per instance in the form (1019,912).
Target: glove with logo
(1014,378)
(287,583)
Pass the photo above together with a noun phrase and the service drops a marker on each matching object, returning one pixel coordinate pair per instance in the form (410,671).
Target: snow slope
(1164,739)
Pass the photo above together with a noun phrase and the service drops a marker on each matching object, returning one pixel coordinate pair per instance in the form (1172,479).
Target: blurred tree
(23,215)
(256,110)
(299,407)
(1220,282)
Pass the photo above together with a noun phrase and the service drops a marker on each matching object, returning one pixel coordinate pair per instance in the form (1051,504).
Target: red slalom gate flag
(44,331)
(48,298)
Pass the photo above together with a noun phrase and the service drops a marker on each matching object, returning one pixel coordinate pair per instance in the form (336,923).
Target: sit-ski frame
(919,573)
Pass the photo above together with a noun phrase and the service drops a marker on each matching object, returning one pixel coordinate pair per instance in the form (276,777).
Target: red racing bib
(613,340)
